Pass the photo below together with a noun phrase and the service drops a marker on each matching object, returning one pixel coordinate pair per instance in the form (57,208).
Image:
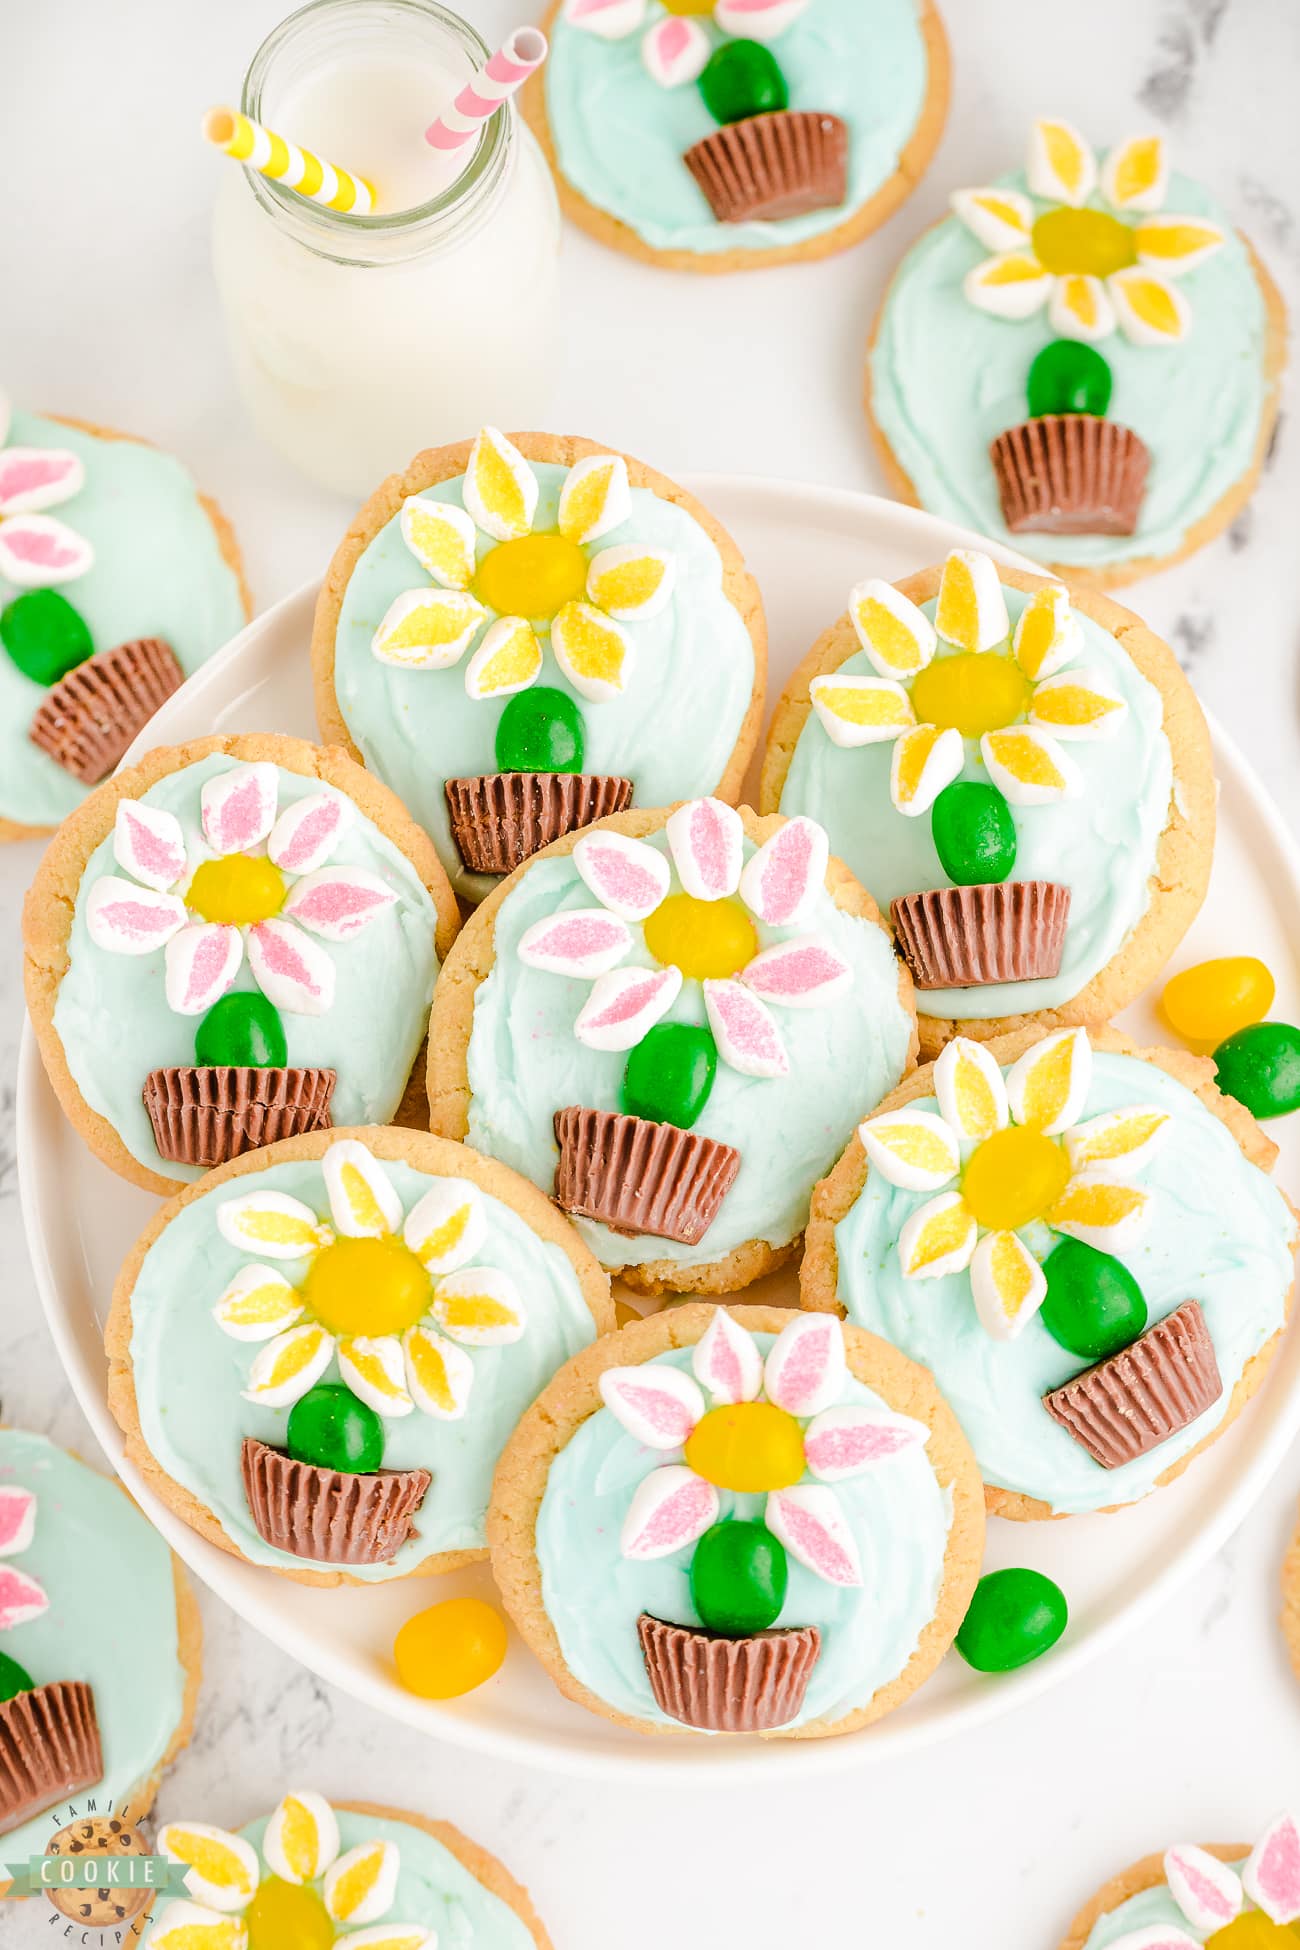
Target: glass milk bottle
(358,340)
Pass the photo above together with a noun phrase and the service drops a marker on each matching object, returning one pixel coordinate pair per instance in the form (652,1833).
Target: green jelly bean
(242,1030)
(540,730)
(974,833)
(743,78)
(1068,377)
(1094,1306)
(670,1073)
(14,1679)
(1015,1616)
(1260,1067)
(333,1429)
(739,1575)
(45,635)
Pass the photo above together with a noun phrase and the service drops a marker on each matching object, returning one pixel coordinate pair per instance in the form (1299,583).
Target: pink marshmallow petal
(758,20)
(1271,1876)
(657,1404)
(149,845)
(21,1598)
(17,1519)
(626,876)
(306,833)
(843,1442)
(1205,1889)
(238,807)
(786,873)
(612,20)
(1156,1936)
(727,1361)
(801,974)
(745,1033)
(292,971)
(130,920)
(338,902)
(675,51)
(584,942)
(202,963)
(624,1004)
(811,1525)
(706,840)
(671,1509)
(37,551)
(805,1368)
(37,477)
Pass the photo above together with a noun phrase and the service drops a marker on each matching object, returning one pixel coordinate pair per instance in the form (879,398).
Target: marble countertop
(1190,1729)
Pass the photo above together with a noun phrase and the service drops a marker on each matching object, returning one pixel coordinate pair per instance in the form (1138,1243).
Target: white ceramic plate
(807,545)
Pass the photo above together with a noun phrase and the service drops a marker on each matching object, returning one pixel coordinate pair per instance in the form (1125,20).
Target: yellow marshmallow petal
(971,611)
(508,659)
(447,1226)
(595,497)
(1028,767)
(1047,633)
(1013,286)
(363,1203)
(1101,1212)
(898,637)
(441,538)
(1000,218)
(389,1936)
(912,1149)
(373,1369)
(593,652)
(361,1885)
(270,1223)
(1061,166)
(1047,1086)
(258,1304)
(1080,307)
(969,1086)
(438,1373)
(223,1869)
(1150,310)
(479,1307)
(427,629)
(302,1838)
(1007,1285)
(1176,245)
(1077,704)
(288,1366)
(631,581)
(1121,1141)
(923,762)
(500,488)
(938,1239)
(1135,174)
(861,710)
(194,1926)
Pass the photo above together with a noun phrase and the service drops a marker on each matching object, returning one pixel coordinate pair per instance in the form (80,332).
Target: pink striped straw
(485,91)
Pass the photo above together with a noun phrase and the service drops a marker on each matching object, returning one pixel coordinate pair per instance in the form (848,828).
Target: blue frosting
(1145,1911)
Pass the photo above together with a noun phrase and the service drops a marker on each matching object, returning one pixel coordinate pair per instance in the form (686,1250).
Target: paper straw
(297,169)
(485,91)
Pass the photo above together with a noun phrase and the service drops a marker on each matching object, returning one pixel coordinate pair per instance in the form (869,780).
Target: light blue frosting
(620,137)
(158,571)
(525,1064)
(1145,1911)
(898,1513)
(189,1374)
(115,1026)
(1220,1233)
(111,1620)
(946,379)
(1102,845)
(672,731)
(434,1888)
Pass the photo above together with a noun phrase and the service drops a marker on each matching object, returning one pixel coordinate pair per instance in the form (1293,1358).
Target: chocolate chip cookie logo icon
(98,1873)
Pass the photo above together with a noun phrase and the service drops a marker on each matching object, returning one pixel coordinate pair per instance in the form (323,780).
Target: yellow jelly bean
(1215,999)
(1089,242)
(1252,1930)
(747,1446)
(237,890)
(975,691)
(367,1286)
(451,1648)
(286,1916)
(689,6)
(1014,1176)
(702,938)
(532,577)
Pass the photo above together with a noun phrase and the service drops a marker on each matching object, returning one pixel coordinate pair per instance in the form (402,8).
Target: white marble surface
(108,311)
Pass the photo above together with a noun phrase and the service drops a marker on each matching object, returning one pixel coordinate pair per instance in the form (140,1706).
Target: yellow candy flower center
(1087,241)
(975,691)
(1252,1930)
(711,939)
(367,1286)
(532,577)
(749,1446)
(286,1916)
(688,6)
(237,890)
(1014,1176)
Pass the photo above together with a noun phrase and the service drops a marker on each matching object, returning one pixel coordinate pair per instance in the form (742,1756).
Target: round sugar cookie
(1291,1600)
(1225,1895)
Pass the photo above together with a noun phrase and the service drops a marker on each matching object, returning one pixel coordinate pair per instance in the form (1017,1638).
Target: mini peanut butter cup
(746,1685)
(1070,474)
(207,1114)
(771,166)
(500,819)
(1000,931)
(329,1515)
(87,720)
(636,1176)
(1136,1399)
(49,1749)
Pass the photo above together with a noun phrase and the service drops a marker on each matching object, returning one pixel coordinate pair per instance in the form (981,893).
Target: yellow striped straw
(281,161)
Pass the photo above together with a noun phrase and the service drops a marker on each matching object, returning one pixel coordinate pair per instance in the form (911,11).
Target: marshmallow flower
(1010,694)
(393,1297)
(1211,1895)
(676,46)
(1095,264)
(354,1892)
(1008,1159)
(36,550)
(263,888)
(21,1597)
(803,1375)
(703,925)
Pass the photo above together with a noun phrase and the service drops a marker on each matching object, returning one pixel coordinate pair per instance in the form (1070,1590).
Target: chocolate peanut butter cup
(49,1749)
(999,931)
(208,1114)
(330,1515)
(500,819)
(87,720)
(1070,474)
(771,166)
(636,1176)
(1138,1398)
(726,1685)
